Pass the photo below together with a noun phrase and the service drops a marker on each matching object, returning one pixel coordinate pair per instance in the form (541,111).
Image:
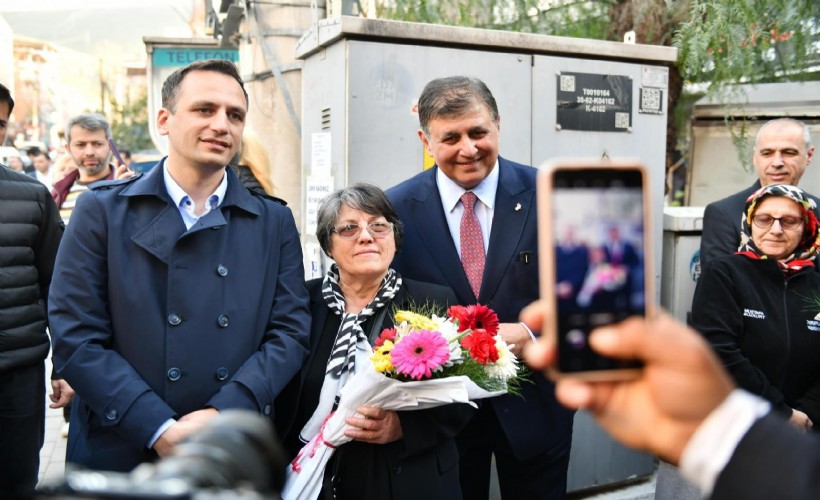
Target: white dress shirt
(184,203)
(450,194)
(715,440)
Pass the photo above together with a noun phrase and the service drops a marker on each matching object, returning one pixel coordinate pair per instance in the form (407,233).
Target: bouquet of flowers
(424,362)
(465,343)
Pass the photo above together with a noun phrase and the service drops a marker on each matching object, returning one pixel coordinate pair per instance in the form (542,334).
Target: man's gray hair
(88,121)
(451,97)
(787,121)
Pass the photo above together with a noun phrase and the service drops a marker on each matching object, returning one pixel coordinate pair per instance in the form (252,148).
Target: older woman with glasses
(393,455)
(760,308)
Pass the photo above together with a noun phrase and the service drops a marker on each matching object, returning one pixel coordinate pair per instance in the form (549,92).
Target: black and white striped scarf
(342,357)
(342,362)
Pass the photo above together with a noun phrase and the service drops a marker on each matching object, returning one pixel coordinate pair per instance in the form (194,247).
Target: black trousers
(22,429)
(539,478)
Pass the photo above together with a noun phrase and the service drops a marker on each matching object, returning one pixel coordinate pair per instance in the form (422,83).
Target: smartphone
(116,152)
(596,262)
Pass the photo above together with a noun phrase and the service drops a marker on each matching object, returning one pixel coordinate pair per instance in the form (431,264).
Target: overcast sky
(112,28)
(40,5)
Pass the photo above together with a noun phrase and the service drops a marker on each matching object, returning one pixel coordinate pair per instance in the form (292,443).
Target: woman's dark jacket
(30,232)
(762,324)
(424,463)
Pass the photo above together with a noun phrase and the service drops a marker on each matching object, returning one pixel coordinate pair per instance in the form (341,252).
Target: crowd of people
(177,294)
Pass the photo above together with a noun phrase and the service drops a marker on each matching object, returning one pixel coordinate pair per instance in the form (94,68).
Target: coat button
(221,270)
(222,320)
(174,374)
(397,470)
(222,374)
(111,415)
(266,410)
(174,319)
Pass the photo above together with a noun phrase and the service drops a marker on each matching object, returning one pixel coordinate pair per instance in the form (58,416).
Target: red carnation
(387,334)
(475,317)
(481,346)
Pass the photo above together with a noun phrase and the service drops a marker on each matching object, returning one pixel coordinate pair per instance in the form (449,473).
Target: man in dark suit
(471,225)
(574,258)
(179,293)
(620,253)
(782,152)
(685,409)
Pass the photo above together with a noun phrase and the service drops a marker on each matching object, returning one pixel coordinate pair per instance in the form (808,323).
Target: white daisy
(507,365)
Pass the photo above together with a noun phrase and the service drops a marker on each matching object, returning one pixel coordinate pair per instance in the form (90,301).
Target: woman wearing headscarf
(393,455)
(760,308)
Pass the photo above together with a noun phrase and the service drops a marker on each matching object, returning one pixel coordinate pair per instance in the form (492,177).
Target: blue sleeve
(82,333)
(285,345)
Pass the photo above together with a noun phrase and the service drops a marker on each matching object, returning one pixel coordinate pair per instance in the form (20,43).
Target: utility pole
(269,33)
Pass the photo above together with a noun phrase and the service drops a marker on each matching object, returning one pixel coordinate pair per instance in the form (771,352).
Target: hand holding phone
(595,262)
(116,152)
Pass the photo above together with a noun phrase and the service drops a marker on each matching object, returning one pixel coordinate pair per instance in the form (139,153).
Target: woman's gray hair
(361,196)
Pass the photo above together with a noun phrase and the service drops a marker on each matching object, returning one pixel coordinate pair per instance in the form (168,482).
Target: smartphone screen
(598,230)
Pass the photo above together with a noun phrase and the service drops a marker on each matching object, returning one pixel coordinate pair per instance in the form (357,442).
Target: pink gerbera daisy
(417,354)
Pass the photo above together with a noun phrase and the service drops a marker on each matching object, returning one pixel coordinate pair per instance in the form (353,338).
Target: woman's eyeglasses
(352,231)
(765,221)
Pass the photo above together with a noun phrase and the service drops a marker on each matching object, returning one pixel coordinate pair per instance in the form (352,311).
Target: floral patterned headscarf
(809,245)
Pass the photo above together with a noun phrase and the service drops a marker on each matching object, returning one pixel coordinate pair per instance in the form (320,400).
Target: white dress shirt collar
(185,204)
(451,192)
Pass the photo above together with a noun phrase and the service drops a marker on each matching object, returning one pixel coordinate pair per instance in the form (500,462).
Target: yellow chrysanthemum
(381,359)
(417,321)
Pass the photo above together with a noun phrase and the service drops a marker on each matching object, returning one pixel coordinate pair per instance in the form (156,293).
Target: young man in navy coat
(530,436)
(179,293)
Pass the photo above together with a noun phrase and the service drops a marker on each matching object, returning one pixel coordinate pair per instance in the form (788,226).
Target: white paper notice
(313,261)
(320,154)
(317,188)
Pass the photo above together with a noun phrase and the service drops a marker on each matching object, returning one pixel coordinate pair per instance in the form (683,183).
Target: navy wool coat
(536,423)
(151,322)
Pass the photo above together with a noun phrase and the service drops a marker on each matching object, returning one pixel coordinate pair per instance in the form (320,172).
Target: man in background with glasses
(782,151)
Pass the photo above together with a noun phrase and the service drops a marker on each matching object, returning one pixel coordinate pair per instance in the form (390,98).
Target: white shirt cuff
(532,335)
(715,440)
(162,428)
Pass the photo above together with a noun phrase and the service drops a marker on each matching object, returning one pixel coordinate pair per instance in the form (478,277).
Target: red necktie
(472,243)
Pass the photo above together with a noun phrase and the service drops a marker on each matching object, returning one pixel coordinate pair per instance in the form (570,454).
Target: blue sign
(167,57)
(694,266)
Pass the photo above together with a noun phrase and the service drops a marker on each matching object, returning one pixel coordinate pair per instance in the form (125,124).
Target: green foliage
(576,18)
(129,124)
(729,42)
(748,41)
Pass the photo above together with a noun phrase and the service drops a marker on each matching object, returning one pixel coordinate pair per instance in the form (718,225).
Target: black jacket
(761,324)
(424,463)
(30,232)
(773,460)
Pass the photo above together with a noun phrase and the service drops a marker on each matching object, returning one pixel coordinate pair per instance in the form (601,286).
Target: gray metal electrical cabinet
(682,228)
(557,97)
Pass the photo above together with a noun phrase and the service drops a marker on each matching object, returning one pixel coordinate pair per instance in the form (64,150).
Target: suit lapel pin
(517,207)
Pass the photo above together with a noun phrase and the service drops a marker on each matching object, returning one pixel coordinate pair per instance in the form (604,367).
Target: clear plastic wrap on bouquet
(371,388)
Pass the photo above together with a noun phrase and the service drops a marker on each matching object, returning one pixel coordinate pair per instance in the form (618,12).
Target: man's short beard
(95,170)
